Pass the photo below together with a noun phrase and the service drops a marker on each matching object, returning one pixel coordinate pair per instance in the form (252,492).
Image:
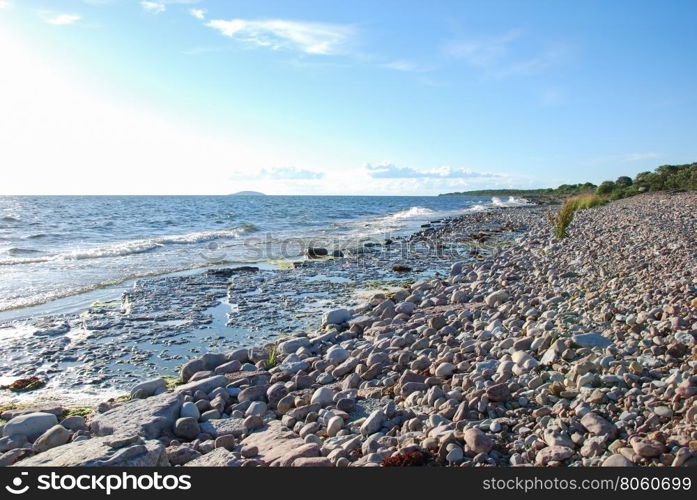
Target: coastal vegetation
(663,178)
(561,220)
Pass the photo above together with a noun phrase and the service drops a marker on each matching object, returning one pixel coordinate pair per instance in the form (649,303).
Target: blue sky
(324,97)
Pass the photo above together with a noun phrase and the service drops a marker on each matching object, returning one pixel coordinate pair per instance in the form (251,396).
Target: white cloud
(483,51)
(60,19)
(307,37)
(501,57)
(388,170)
(198,13)
(407,66)
(5,4)
(153,7)
(280,173)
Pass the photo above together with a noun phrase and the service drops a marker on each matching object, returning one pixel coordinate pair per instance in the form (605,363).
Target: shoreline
(519,357)
(339,282)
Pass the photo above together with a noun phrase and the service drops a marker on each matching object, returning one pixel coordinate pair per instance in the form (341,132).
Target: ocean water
(66,246)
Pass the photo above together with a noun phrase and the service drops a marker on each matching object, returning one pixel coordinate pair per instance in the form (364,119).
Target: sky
(341,98)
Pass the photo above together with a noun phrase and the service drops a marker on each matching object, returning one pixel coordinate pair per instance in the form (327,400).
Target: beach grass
(560,221)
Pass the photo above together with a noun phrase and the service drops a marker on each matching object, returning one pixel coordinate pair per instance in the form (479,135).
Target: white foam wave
(412,212)
(133,247)
(511,202)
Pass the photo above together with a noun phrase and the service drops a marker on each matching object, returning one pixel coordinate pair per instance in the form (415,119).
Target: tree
(605,187)
(623,182)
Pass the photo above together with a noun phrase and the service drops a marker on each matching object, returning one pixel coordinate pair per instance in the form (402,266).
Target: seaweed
(24,384)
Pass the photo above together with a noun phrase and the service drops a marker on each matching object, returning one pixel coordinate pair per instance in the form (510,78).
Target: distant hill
(248,193)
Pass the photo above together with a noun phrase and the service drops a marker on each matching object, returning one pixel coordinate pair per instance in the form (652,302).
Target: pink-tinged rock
(553,454)
(647,448)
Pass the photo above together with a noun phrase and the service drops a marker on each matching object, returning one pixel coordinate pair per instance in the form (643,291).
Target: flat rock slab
(220,457)
(206,385)
(107,451)
(278,445)
(145,417)
(224,427)
(591,340)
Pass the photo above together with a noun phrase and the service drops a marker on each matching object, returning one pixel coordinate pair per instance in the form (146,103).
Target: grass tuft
(561,220)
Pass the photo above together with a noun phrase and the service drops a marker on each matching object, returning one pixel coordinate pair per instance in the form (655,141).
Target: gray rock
(190,410)
(292,345)
(31,425)
(220,457)
(182,455)
(591,340)
(225,426)
(186,428)
(129,451)
(191,367)
(149,387)
(145,417)
(74,423)
(206,384)
(55,436)
(373,423)
(323,396)
(336,317)
(496,298)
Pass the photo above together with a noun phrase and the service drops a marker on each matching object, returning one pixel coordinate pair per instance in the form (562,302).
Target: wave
(413,212)
(44,298)
(22,251)
(133,247)
(8,218)
(511,202)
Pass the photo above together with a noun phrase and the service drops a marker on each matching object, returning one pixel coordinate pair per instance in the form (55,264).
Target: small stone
(445,370)
(189,410)
(253,422)
(477,441)
(334,425)
(323,396)
(498,393)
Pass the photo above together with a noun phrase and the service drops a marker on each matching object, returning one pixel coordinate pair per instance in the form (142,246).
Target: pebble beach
(527,351)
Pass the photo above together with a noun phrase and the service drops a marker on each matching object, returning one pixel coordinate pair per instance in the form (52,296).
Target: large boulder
(145,417)
(114,451)
(31,425)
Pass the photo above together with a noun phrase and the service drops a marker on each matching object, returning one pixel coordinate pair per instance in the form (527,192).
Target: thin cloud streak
(392,171)
(275,34)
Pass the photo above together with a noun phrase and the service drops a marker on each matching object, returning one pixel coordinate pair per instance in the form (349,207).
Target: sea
(58,253)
